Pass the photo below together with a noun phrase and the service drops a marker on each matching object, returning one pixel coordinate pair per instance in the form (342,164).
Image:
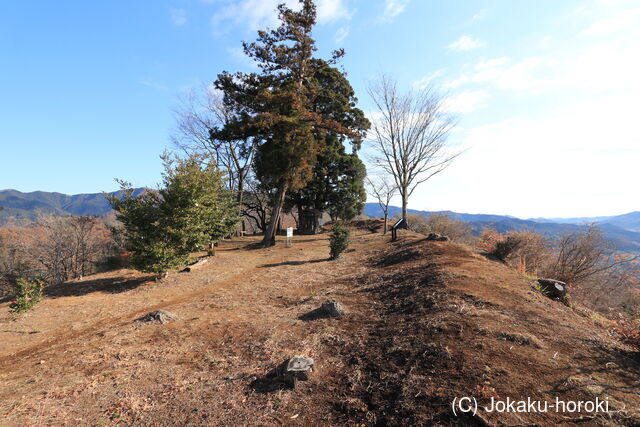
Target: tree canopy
(286,109)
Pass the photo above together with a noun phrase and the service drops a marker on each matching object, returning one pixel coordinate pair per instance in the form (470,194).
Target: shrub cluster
(339,240)
(598,276)
(27,294)
(191,211)
(527,251)
(53,249)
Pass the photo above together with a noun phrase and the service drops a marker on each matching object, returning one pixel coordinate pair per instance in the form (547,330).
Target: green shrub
(27,295)
(191,210)
(339,240)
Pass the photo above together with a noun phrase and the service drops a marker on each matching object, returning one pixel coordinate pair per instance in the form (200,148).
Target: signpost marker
(289,241)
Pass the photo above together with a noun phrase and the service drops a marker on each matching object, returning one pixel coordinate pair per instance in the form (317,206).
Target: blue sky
(546,91)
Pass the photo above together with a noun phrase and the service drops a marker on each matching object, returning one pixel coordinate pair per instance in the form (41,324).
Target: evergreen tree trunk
(270,234)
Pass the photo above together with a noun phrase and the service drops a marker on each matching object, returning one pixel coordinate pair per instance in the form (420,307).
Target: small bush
(527,251)
(627,330)
(27,295)
(339,240)
(505,248)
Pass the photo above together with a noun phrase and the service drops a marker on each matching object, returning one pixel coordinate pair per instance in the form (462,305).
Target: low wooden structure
(309,221)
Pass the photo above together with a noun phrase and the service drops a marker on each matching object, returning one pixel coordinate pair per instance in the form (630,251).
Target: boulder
(284,376)
(161,316)
(332,308)
(329,308)
(437,237)
(553,289)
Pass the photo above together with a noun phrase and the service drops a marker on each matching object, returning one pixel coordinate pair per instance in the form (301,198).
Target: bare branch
(410,134)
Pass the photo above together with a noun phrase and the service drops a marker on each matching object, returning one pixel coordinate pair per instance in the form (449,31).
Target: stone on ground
(161,316)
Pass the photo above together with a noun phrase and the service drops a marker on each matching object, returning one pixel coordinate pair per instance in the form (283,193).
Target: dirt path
(80,358)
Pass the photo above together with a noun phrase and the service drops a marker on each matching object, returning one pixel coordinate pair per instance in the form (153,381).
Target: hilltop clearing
(425,322)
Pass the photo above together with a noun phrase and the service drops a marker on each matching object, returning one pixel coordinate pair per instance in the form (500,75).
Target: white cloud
(615,23)
(574,161)
(341,34)
(570,148)
(253,14)
(600,67)
(332,10)
(479,15)
(260,14)
(393,8)
(466,43)
(545,42)
(425,81)
(467,102)
(178,17)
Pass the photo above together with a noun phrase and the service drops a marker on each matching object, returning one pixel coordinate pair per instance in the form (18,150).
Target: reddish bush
(488,240)
(627,330)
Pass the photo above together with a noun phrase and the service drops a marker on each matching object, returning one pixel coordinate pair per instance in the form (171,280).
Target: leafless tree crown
(410,131)
(197,114)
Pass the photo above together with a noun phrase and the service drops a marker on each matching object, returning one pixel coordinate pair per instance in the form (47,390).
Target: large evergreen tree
(337,183)
(278,106)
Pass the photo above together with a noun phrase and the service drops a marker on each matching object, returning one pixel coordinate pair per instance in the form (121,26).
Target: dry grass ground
(426,322)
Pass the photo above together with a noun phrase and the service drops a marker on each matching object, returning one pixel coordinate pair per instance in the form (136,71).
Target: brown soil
(426,322)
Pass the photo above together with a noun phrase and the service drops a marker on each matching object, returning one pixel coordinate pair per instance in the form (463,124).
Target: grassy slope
(426,322)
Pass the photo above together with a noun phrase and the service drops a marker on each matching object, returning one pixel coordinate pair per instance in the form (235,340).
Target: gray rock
(297,369)
(328,308)
(161,316)
(332,308)
(437,237)
(553,289)
(195,265)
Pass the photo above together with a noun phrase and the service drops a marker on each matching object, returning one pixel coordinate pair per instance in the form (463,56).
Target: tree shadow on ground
(311,261)
(315,314)
(274,380)
(110,285)
(619,366)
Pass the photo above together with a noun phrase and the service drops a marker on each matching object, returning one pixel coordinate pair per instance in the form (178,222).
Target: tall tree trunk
(404,207)
(270,235)
(386,219)
(239,197)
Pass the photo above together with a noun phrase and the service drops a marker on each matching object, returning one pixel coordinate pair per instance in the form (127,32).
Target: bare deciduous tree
(199,116)
(257,205)
(383,190)
(71,246)
(410,135)
(583,254)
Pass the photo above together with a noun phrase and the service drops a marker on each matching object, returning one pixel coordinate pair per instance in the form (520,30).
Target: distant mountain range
(630,221)
(622,230)
(28,206)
